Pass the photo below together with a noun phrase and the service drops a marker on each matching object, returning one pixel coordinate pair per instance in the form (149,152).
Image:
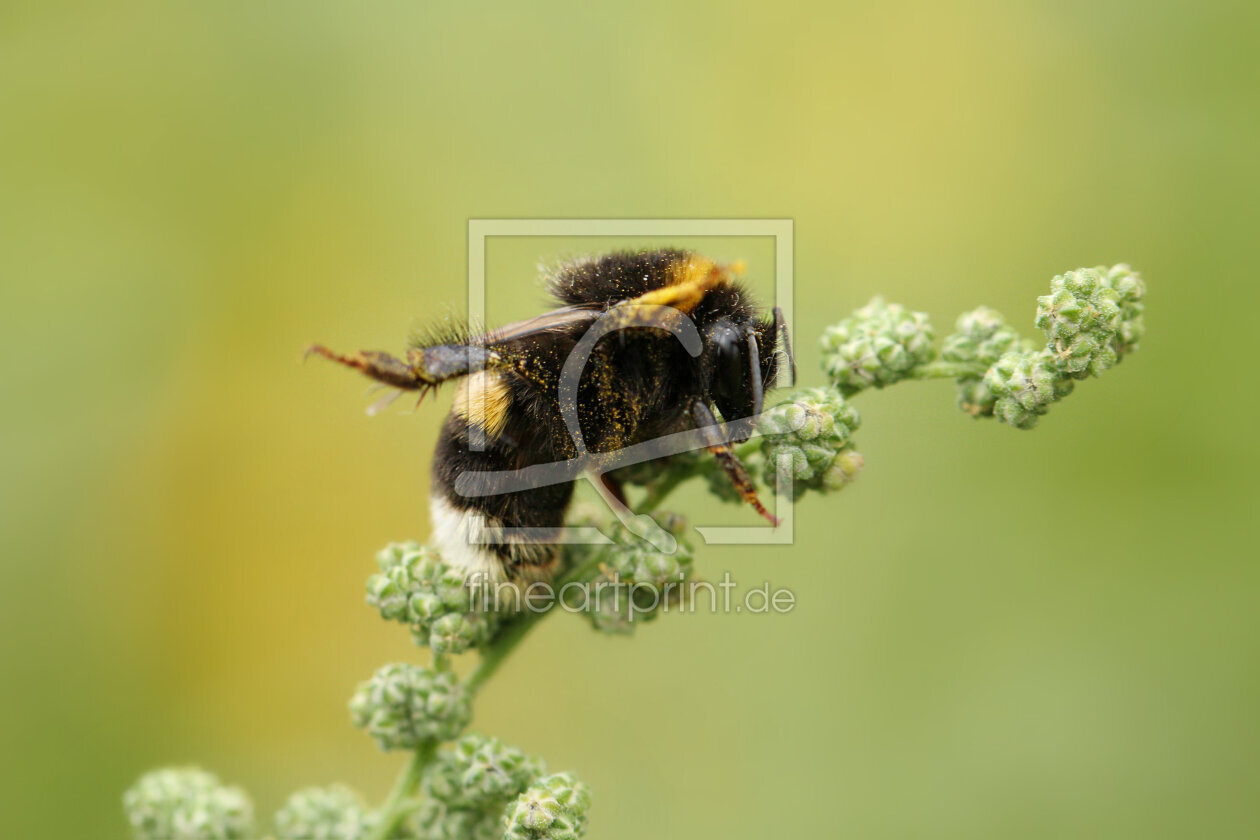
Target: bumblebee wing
(558,320)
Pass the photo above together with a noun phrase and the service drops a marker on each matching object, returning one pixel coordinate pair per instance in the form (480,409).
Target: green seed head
(331,813)
(1024,385)
(877,345)
(437,821)
(403,705)
(553,808)
(981,337)
(805,436)
(480,772)
(416,588)
(1091,317)
(185,803)
(637,580)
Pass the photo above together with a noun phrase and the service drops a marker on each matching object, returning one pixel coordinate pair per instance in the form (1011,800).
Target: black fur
(639,384)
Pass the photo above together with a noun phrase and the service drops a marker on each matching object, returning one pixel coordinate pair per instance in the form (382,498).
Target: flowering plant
(462,785)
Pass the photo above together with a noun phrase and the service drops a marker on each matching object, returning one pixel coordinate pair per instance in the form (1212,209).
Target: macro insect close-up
(542,421)
(639,382)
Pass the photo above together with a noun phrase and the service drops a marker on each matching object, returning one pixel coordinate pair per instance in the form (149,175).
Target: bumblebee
(647,354)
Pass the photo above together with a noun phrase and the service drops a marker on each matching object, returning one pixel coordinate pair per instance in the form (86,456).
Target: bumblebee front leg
(425,367)
(703,417)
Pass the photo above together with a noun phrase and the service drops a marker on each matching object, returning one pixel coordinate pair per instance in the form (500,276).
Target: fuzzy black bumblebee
(661,339)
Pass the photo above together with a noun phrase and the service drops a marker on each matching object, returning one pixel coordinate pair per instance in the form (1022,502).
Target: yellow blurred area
(998,634)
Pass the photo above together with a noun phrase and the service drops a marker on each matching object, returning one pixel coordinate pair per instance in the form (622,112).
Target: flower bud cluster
(877,345)
(434,820)
(332,813)
(1079,318)
(416,588)
(981,337)
(1024,384)
(638,580)
(1130,295)
(810,437)
(1091,318)
(185,803)
(469,786)
(403,705)
(553,808)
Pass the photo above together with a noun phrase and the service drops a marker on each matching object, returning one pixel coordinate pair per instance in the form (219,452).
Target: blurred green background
(999,634)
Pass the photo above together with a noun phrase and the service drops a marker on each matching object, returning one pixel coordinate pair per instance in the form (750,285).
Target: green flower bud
(975,397)
(554,808)
(1025,384)
(331,813)
(638,580)
(185,803)
(435,820)
(640,563)
(876,346)
(843,470)
(1091,318)
(982,337)
(416,588)
(479,772)
(1080,317)
(806,435)
(457,632)
(404,705)
(1130,293)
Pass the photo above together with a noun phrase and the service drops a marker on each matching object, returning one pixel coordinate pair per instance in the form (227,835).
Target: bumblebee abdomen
(499,531)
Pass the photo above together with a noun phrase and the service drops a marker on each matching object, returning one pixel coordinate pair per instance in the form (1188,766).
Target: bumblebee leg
(425,367)
(731,465)
(613,487)
(640,524)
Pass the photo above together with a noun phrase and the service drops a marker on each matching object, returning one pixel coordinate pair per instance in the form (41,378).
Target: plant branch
(398,805)
(493,654)
(946,370)
(663,488)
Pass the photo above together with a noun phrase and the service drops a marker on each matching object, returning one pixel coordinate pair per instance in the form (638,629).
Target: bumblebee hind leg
(424,369)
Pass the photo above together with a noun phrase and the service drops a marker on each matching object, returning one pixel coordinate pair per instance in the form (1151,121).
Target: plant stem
(945,370)
(662,489)
(492,655)
(396,806)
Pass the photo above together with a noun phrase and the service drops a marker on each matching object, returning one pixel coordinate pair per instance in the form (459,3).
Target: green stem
(396,807)
(492,655)
(945,370)
(509,637)
(662,489)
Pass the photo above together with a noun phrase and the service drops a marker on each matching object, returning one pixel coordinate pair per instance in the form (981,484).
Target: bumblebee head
(738,364)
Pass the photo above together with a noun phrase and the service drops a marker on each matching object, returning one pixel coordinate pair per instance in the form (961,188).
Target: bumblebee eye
(729,373)
(729,384)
